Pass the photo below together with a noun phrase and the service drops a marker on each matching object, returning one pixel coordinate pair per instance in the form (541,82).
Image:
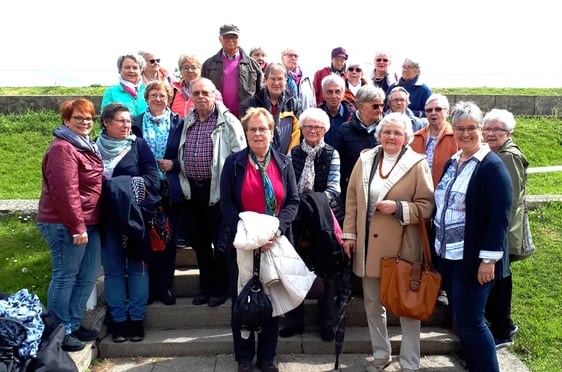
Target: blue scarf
(111,147)
(79,141)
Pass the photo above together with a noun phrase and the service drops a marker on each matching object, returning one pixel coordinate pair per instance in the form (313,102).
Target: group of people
(238,134)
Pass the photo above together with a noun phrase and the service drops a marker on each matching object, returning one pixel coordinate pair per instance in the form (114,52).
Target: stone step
(213,341)
(185,257)
(185,315)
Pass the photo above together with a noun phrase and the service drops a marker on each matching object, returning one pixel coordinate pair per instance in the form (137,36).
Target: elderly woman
(247,174)
(259,54)
(281,105)
(153,70)
(130,195)
(473,200)
(381,76)
(190,69)
(316,166)
(130,90)
(359,133)
(387,185)
(398,101)
(354,80)
(498,127)
(161,129)
(411,81)
(68,218)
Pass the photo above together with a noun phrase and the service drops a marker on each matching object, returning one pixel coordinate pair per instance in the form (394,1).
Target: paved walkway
(294,363)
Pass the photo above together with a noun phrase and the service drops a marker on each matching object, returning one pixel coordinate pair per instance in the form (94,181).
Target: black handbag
(252,307)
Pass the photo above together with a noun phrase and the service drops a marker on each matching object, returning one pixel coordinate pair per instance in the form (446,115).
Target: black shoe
(513,330)
(245,367)
(327,333)
(71,343)
(503,342)
(120,333)
(442,298)
(268,367)
(216,300)
(200,299)
(136,330)
(291,329)
(168,298)
(85,334)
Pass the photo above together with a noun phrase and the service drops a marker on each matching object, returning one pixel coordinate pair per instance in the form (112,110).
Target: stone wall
(518,105)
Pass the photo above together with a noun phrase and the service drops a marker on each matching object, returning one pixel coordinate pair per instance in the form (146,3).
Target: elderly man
(398,101)
(339,57)
(210,134)
(235,73)
(339,111)
(410,80)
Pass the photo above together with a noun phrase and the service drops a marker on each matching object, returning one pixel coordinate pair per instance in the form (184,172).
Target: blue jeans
(74,272)
(468,299)
(122,275)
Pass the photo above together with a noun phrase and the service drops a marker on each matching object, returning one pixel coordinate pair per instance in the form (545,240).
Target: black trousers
(498,308)
(203,225)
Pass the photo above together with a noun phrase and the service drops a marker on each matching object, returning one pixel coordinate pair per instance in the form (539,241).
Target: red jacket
(71,187)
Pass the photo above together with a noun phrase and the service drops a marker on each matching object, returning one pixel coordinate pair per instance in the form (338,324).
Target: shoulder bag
(410,289)
(252,307)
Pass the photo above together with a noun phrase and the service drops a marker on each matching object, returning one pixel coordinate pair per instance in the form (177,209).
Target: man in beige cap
(233,71)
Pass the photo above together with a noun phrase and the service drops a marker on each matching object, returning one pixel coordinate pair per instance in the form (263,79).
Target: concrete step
(185,257)
(184,315)
(213,341)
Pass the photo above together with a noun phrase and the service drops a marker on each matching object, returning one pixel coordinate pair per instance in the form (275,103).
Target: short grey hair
(368,93)
(393,118)
(504,117)
(314,114)
(333,79)
(440,98)
(466,110)
(135,57)
(409,61)
(402,90)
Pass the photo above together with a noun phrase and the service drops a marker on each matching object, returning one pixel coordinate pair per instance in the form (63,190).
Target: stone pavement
(294,363)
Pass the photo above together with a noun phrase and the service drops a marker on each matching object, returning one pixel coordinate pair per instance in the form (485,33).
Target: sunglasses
(354,69)
(154,60)
(378,106)
(382,60)
(436,109)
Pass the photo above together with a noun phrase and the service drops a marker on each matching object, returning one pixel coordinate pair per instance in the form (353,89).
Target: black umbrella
(345,278)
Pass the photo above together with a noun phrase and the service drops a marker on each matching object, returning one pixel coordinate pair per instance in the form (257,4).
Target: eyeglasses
(313,128)
(202,93)
(155,96)
(389,133)
(123,121)
(409,67)
(190,68)
(378,106)
(81,119)
(398,100)
(258,130)
(154,60)
(292,55)
(382,60)
(431,109)
(461,130)
(494,130)
(354,69)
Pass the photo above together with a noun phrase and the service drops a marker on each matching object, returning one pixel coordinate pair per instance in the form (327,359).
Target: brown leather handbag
(410,289)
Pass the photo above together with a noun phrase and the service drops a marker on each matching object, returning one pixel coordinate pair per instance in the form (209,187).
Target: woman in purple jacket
(68,216)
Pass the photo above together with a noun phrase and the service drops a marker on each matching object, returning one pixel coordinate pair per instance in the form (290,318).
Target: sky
(478,43)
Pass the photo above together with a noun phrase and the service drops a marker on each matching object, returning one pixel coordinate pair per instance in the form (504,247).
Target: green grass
(537,293)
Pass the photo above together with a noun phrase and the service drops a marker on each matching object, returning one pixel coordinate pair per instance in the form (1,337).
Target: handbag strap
(425,241)
(256,273)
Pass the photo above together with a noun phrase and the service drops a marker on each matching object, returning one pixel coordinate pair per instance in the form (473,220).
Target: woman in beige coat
(387,184)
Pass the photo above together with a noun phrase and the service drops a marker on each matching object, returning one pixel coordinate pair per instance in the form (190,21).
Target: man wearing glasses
(237,75)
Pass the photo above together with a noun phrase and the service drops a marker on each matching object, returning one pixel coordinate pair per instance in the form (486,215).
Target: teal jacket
(116,94)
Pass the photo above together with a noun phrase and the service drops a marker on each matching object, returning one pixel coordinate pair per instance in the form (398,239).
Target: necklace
(384,177)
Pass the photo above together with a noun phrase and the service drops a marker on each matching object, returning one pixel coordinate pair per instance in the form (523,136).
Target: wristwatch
(278,233)
(488,261)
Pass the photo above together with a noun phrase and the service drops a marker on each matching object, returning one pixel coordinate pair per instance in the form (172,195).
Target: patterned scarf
(306,182)
(270,202)
(129,87)
(155,132)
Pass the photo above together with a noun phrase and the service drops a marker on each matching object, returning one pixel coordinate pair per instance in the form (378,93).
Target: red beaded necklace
(384,177)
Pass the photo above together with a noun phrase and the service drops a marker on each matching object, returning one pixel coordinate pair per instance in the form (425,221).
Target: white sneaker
(377,366)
